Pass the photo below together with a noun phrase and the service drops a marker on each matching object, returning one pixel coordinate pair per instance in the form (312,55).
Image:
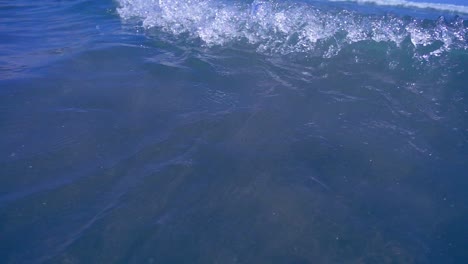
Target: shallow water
(138,131)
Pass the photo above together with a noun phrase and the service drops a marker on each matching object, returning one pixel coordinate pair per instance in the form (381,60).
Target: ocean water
(216,131)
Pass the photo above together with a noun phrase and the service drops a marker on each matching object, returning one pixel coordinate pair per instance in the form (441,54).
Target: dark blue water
(138,131)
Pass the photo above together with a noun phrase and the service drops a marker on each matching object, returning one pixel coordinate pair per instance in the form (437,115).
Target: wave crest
(286,27)
(404,3)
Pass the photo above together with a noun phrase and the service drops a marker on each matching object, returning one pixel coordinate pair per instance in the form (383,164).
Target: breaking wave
(284,27)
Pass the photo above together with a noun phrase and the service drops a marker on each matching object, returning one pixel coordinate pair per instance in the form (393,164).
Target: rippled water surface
(212,131)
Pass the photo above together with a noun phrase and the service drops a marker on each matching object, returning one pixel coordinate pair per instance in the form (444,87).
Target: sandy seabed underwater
(215,131)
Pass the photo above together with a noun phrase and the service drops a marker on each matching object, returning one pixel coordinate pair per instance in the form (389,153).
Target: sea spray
(296,27)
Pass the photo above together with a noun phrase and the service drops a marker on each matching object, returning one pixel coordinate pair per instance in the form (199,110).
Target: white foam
(404,3)
(285,27)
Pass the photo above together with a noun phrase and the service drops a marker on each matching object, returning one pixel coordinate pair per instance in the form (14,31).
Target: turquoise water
(211,131)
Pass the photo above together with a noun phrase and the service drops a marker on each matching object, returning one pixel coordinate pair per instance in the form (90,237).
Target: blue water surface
(211,131)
